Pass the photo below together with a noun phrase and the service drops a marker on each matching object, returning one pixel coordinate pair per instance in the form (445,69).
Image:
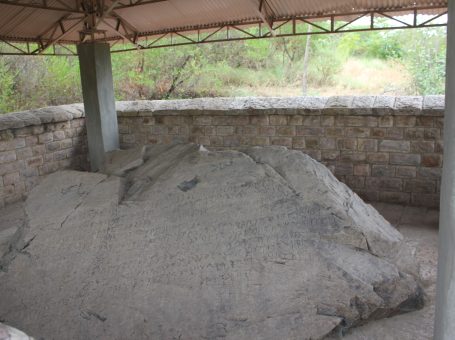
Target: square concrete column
(445,295)
(99,101)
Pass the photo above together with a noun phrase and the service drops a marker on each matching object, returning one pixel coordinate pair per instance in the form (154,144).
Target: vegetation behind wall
(404,62)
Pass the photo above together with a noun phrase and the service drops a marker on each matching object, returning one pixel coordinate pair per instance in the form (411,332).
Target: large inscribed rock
(192,244)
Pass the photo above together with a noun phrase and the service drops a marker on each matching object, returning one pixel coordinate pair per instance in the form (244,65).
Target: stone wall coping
(340,105)
(51,114)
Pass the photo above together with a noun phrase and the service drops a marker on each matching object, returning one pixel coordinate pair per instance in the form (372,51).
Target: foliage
(425,55)
(235,68)
(61,79)
(325,64)
(377,44)
(428,69)
(34,82)
(6,87)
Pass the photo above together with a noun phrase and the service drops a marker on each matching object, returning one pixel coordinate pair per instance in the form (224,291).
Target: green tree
(425,57)
(7,101)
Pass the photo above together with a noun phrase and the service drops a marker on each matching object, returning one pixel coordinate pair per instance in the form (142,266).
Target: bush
(425,58)
(324,63)
(381,45)
(7,100)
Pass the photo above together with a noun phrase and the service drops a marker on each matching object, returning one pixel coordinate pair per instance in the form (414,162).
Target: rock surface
(12,223)
(10,333)
(119,162)
(259,244)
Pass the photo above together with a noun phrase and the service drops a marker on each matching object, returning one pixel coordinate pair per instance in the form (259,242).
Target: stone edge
(341,105)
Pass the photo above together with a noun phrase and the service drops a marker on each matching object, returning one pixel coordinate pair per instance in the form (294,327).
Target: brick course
(385,148)
(28,153)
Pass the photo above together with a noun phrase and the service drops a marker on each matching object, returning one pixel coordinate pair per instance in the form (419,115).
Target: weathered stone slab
(119,162)
(53,114)
(433,105)
(338,105)
(76,110)
(384,105)
(27,117)
(262,243)
(363,105)
(6,236)
(12,221)
(10,121)
(409,105)
(314,105)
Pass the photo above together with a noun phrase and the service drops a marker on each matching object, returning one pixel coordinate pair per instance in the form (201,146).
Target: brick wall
(385,148)
(35,143)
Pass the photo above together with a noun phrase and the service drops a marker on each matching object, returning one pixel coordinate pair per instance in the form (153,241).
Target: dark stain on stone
(87,315)
(188,185)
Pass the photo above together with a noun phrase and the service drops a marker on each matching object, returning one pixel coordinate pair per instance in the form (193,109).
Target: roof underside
(49,22)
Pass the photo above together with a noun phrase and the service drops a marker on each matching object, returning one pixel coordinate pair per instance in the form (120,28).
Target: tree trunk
(306,58)
(176,79)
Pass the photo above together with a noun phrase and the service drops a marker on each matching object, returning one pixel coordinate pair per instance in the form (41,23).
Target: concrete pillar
(99,101)
(445,296)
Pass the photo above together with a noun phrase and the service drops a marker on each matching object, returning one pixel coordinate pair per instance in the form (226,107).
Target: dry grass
(357,77)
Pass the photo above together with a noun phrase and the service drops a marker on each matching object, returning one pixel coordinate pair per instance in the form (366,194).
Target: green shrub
(7,100)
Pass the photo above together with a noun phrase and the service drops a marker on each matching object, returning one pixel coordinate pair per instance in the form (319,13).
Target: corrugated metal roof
(62,20)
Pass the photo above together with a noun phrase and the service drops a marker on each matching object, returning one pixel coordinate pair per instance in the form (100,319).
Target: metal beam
(137,3)
(233,31)
(131,40)
(285,28)
(27,4)
(266,14)
(59,22)
(57,39)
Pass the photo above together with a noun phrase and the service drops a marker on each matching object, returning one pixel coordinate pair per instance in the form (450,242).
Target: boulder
(10,333)
(12,224)
(262,243)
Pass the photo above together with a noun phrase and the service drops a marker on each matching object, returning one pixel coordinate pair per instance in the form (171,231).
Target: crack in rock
(88,314)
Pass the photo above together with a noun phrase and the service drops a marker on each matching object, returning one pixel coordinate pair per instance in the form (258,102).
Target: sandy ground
(420,228)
